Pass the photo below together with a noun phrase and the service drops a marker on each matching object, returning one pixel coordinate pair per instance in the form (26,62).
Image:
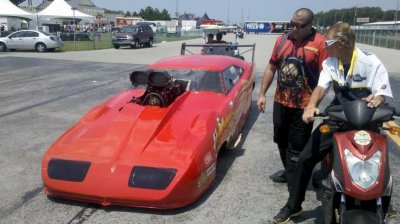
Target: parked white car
(30,40)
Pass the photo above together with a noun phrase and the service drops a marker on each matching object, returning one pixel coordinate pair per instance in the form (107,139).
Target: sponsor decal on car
(202,180)
(210,170)
(223,123)
(207,159)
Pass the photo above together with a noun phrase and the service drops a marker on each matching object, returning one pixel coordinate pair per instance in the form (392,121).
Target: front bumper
(123,42)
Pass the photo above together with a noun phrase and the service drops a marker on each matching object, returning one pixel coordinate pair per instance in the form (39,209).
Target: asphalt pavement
(42,95)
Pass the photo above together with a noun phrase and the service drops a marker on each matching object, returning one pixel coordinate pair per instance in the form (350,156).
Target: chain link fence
(381,38)
(389,38)
(97,40)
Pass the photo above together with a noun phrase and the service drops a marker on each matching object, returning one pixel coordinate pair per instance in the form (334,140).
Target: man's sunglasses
(297,25)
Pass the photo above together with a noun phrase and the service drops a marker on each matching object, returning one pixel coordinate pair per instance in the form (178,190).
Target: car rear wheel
(3,47)
(41,47)
(116,46)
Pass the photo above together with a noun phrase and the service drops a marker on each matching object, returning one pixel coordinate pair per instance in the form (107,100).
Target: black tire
(240,57)
(3,47)
(41,47)
(116,46)
(150,44)
(136,44)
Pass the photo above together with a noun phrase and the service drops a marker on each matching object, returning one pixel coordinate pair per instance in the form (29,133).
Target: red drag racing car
(156,144)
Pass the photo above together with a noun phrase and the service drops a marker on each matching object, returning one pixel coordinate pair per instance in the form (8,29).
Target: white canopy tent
(61,9)
(8,9)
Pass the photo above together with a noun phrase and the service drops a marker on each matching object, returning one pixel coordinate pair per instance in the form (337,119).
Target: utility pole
(395,24)
(242,16)
(176,11)
(229,6)
(30,6)
(355,16)
(342,16)
(73,11)
(334,21)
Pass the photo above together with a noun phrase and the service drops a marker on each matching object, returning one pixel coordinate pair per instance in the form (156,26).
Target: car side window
(18,34)
(239,71)
(31,34)
(231,77)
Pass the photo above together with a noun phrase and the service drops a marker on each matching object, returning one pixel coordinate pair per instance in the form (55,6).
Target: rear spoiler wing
(228,49)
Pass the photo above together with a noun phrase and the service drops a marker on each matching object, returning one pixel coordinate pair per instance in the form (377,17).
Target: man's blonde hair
(342,32)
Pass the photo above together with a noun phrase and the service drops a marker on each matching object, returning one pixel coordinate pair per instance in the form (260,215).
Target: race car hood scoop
(121,133)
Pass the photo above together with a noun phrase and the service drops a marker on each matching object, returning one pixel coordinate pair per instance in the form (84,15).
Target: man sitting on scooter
(347,68)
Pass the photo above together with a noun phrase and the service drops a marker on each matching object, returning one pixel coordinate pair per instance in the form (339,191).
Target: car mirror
(9,37)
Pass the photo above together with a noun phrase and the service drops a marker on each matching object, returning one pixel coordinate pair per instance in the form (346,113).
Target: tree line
(375,14)
(148,13)
(349,15)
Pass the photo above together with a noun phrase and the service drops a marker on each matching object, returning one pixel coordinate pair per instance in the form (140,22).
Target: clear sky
(232,9)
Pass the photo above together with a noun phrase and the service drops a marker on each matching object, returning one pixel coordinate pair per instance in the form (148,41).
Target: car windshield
(128,30)
(200,80)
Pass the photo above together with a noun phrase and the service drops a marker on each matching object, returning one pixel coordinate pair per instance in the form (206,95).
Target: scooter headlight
(363,172)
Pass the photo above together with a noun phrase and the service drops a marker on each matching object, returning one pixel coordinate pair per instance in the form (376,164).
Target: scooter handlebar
(393,104)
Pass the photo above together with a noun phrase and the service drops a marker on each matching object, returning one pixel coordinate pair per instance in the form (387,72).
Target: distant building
(187,16)
(386,25)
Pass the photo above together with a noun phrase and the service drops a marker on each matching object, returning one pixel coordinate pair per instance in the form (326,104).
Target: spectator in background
(210,38)
(2,29)
(219,38)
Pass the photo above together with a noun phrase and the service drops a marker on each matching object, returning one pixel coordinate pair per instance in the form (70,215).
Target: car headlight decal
(363,172)
(68,170)
(151,177)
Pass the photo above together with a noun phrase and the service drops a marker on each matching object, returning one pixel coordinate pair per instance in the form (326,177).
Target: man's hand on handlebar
(309,113)
(374,101)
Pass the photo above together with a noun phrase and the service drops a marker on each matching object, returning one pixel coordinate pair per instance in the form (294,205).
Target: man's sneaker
(279,177)
(285,215)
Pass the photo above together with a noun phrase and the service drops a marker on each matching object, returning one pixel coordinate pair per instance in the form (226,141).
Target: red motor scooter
(359,185)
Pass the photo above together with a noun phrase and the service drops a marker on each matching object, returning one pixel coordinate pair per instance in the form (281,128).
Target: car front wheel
(41,47)
(2,47)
